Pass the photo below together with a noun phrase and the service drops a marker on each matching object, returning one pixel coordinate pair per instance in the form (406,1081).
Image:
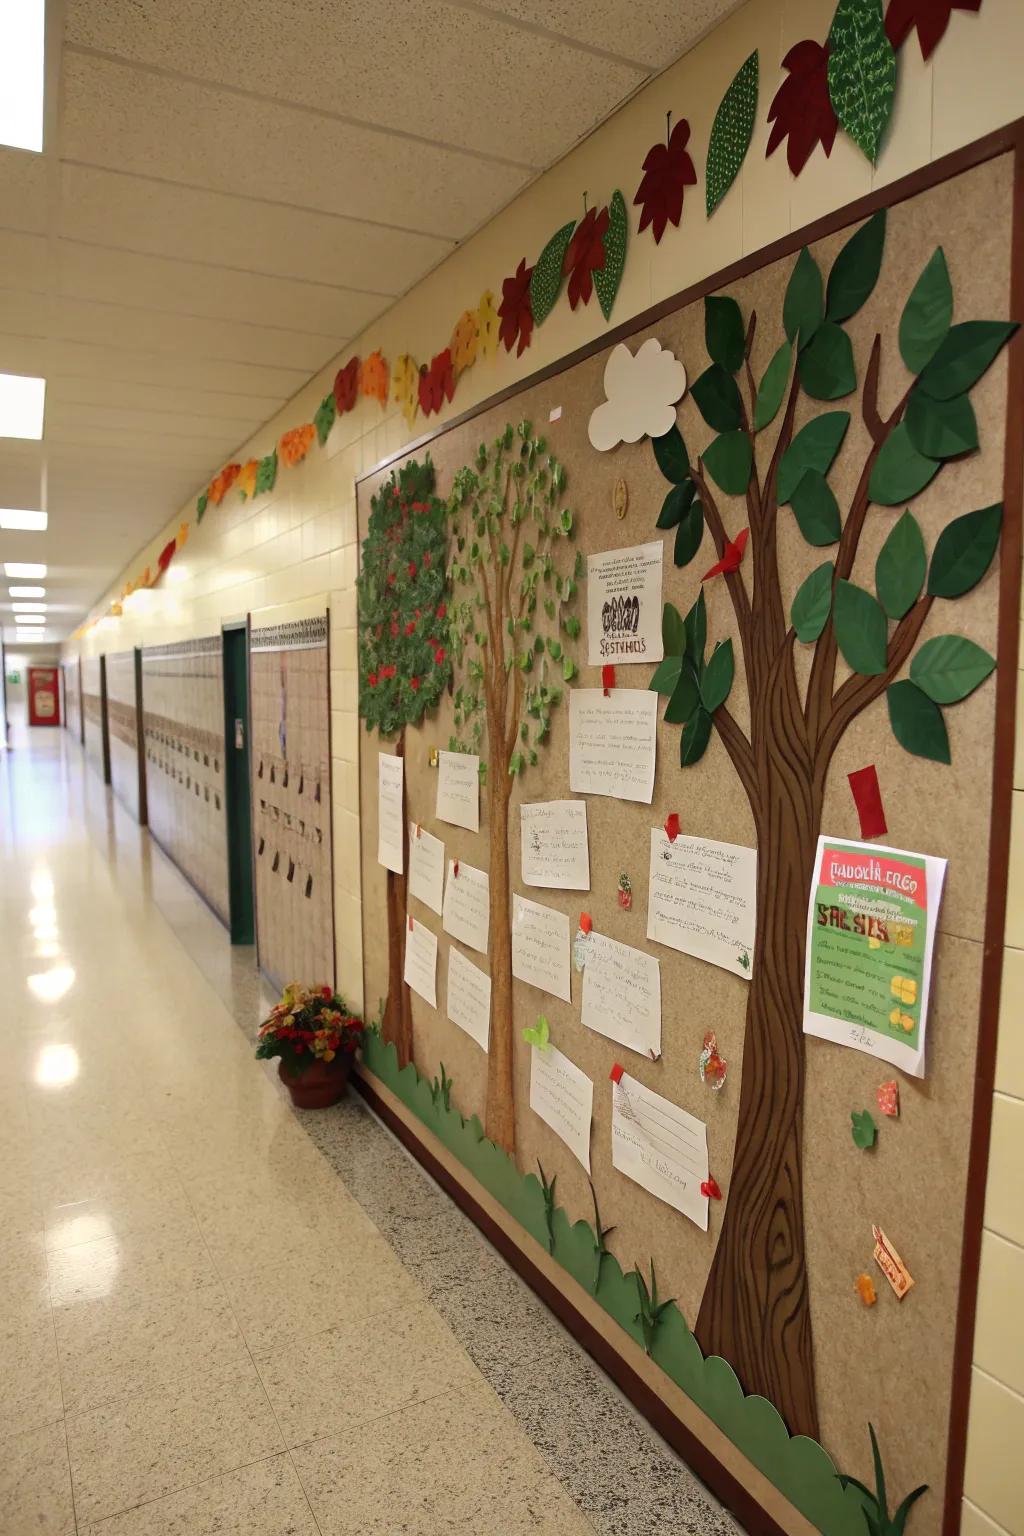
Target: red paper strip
(410,922)
(867,797)
(732,556)
(455,870)
(607,678)
(711,1189)
(672,827)
(586,922)
(616,1073)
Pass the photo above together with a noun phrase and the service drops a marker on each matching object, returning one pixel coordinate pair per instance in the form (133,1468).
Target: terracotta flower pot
(321,1084)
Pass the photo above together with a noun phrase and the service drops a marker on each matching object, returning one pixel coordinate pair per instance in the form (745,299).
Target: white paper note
(556,853)
(540,947)
(426,868)
(702,899)
(390,782)
(612,742)
(622,994)
(421,960)
(458,789)
(563,1096)
(467,905)
(624,605)
(658,1145)
(469,997)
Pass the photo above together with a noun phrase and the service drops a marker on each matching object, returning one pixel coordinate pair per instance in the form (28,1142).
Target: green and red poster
(870,938)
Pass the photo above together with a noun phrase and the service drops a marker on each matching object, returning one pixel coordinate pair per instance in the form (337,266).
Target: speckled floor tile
(31,1393)
(265,1499)
(35,1485)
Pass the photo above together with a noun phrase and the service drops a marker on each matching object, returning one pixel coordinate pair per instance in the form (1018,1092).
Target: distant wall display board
(183,736)
(123,725)
(73,698)
(290,761)
(92,711)
(775,1053)
(43,696)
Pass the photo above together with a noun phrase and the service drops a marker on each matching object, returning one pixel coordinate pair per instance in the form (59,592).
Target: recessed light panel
(29,607)
(26,568)
(26,591)
(22,401)
(29,618)
(14,519)
(22,51)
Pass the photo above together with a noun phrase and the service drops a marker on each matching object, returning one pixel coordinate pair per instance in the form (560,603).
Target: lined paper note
(703,899)
(661,1147)
(540,947)
(612,742)
(421,960)
(390,814)
(467,905)
(426,868)
(458,789)
(469,997)
(563,1097)
(555,850)
(622,994)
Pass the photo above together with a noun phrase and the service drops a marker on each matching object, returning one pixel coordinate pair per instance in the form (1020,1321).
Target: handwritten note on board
(563,1097)
(556,853)
(622,994)
(540,947)
(467,905)
(469,997)
(426,868)
(624,605)
(390,782)
(458,789)
(661,1147)
(612,742)
(421,960)
(703,899)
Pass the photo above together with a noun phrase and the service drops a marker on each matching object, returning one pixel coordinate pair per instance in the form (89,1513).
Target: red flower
(412,570)
(327,993)
(299,1047)
(930,17)
(346,386)
(802,107)
(372,679)
(442,610)
(585,255)
(668,171)
(439,655)
(394,630)
(387,672)
(391,579)
(410,628)
(426,560)
(414,684)
(515,310)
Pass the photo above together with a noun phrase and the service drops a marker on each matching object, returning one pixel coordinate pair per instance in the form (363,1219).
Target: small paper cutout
(625,893)
(712,1066)
(579,948)
(867,797)
(487,325)
(888,1097)
(616,1073)
(709,1187)
(668,171)
(585,254)
(374,377)
(802,110)
(516,310)
(586,922)
(540,1035)
(865,1288)
(607,678)
(890,1263)
(863,1128)
(641,393)
(930,17)
(732,557)
(672,826)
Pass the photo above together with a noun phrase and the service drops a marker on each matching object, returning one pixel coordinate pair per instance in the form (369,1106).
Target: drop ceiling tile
(242,412)
(23,260)
(177,130)
(651,32)
(23,313)
(101,418)
(21,354)
(23,190)
(20,477)
(197,453)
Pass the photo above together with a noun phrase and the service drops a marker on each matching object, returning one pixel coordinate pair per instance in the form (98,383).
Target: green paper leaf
(803,308)
(678,501)
(813,604)
(569,669)
(862,631)
(826,364)
(900,567)
(666,675)
(266,474)
(963,551)
(855,270)
(539,1036)
(723,333)
(718,675)
(717,398)
(864,1128)
(673,630)
(861,72)
(941,429)
(671,456)
(689,534)
(324,418)
(962,357)
(685,698)
(728,461)
(730,133)
(816,510)
(916,722)
(814,447)
(772,388)
(949,667)
(927,314)
(694,740)
(608,277)
(546,281)
(900,472)
(201,506)
(696,623)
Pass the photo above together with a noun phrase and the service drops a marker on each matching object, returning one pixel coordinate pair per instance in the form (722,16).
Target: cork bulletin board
(843,1364)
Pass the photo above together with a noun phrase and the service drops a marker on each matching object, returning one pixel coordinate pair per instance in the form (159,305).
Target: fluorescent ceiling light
(22,33)
(12,518)
(29,618)
(29,607)
(22,401)
(27,591)
(27,568)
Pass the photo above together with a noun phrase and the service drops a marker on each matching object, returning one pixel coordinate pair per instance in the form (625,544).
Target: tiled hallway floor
(217,1316)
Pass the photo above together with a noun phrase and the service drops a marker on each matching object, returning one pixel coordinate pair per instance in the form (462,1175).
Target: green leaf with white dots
(731,133)
(608,277)
(546,281)
(861,72)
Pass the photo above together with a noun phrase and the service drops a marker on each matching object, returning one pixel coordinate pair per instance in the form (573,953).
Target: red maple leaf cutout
(515,310)
(930,17)
(437,383)
(668,171)
(802,107)
(346,386)
(585,255)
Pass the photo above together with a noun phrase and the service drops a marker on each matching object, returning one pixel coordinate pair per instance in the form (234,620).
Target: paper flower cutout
(266,473)
(405,386)
(346,386)
(246,482)
(930,17)
(222,483)
(516,309)
(668,171)
(373,378)
(487,324)
(641,392)
(295,444)
(585,254)
(465,341)
(802,109)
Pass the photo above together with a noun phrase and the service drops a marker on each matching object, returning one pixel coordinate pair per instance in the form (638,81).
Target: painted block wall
(300,542)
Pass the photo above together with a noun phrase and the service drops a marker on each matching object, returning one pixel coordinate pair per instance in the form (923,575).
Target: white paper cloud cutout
(642,391)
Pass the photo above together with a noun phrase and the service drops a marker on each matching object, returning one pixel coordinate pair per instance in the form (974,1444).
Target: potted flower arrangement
(316,1037)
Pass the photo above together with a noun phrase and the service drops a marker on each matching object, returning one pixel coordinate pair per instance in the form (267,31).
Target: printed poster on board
(871,926)
(624,605)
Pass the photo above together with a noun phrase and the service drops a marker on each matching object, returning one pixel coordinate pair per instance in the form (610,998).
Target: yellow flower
(328,1055)
(465,339)
(487,324)
(405,387)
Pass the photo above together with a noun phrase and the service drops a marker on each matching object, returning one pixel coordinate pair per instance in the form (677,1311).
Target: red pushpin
(616,1073)
(586,922)
(672,827)
(711,1189)
(455,870)
(607,678)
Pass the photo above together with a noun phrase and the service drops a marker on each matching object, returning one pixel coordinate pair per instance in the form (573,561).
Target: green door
(236,783)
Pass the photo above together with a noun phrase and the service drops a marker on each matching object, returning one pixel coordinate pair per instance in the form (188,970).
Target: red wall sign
(43,696)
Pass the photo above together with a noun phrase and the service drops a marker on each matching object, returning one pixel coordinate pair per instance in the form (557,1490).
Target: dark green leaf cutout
(861,72)
(803,307)
(608,277)
(730,133)
(900,472)
(675,504)
(814,447)
(813,604)
(266,473)
(673,633)
(927,314)
(685,698)
(694,740)
(671,456)
(863,1128)
(826,364)
(666,675)
(723,333)
(718,675)
(546,282)
(963,551)
(689,534)
(696,622)
(963,355)
(862,631)
(855,270)
(916,722)
(816,509)
(728,461)
(717,398)
(900,567)
(941,429)
(772,388)
(324,418)
(202,502)
(949,667)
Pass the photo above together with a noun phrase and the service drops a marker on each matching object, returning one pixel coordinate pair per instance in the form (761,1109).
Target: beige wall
(300,542)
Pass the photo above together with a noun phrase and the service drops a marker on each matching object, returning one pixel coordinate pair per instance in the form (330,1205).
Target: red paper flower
(346,386)
(802,108)
(414,684)
(585,255)
(412,570)
(515,310)
(930,17)
(439,655)
(372,679)
(442,609)
(410,628)
(668,171)
(166,555)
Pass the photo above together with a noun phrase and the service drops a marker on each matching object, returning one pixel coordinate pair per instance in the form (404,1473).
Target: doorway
(104,721)
(238,802)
